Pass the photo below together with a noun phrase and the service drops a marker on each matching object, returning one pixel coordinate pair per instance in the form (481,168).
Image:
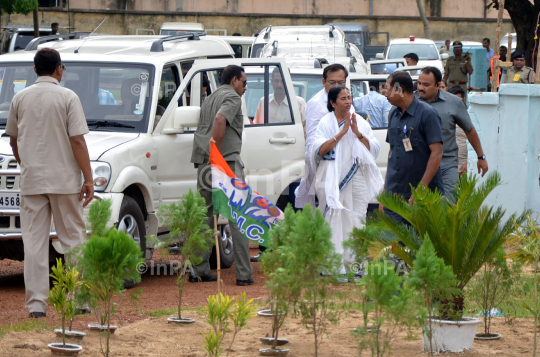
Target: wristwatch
(483,157)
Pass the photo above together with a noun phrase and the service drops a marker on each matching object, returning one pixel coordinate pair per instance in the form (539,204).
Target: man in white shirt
(278,105)
(376,106)
(333,75)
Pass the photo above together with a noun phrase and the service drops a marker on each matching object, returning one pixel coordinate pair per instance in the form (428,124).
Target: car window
(307,85)
(237,51)
(256,51)
(271,82)
(114,97)
(424,51)
(385,68)
(358,88)
(24,38)
(168,85)
(354,37)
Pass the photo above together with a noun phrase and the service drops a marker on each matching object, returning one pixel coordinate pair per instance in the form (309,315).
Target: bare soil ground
(142,335)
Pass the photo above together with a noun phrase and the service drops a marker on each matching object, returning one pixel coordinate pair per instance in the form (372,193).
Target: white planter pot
(451,336)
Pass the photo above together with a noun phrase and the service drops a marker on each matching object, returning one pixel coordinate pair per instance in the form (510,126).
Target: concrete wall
(508,123)
(126,22)
(446,8)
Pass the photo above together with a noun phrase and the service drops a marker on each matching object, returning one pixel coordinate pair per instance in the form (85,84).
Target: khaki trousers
(240,244)
(36,212)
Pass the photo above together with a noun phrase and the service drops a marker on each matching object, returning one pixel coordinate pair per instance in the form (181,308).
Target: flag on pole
(238,202)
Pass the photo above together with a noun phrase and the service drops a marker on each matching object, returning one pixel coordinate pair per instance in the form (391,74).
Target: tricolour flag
(238,202)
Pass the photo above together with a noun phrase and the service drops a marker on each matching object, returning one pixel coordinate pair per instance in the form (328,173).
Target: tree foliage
(18,6)
(524,15)
(465,234)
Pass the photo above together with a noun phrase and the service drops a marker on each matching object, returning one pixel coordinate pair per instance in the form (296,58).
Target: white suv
(141,127)
(425,49)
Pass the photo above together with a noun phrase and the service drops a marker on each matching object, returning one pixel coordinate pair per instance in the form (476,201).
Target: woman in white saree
(347,177)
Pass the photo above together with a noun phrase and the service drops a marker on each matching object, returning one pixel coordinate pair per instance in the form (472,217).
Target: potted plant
(187,223)
(526,245)
(492,287)
(311,254)
(465,235)
(108,259)
(61,297)
(435,282)
(282,282)
(391,305)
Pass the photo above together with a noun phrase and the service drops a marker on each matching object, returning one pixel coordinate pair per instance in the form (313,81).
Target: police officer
(445,49)
(458,67)
(519,73)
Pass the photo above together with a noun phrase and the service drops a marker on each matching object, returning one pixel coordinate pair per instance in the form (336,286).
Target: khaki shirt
(523,76)
(43,117)
(456,71)
(227,102)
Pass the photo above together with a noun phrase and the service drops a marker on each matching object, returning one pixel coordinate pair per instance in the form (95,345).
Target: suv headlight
(101,172)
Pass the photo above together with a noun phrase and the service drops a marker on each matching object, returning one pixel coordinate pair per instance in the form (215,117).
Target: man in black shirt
(415,138)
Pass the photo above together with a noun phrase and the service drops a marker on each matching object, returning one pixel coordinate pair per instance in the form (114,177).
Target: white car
(425,49)
(141,128)
(312,34)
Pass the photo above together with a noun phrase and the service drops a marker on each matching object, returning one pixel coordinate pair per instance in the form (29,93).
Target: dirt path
(154,337)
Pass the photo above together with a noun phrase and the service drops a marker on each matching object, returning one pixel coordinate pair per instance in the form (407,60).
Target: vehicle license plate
(10,200)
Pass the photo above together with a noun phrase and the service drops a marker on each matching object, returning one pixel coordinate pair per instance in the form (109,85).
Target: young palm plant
(465,234)
(526,244)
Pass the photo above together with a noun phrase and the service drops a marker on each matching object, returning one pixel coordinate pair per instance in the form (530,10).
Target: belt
(456,82)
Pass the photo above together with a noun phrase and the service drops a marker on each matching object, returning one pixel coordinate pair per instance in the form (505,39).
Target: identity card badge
(407,140)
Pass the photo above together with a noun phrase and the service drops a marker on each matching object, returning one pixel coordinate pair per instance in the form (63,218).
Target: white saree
(347,179)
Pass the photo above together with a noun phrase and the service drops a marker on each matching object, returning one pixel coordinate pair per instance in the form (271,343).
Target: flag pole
(218,258)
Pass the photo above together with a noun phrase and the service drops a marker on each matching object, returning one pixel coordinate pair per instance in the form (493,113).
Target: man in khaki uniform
(46,125)
(445,49)
(221,118)
(457,68)
(519,73)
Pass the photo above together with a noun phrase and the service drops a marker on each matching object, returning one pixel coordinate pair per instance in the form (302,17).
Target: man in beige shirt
(279,110)
(46,125)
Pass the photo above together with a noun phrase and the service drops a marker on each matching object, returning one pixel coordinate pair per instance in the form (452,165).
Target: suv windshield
(354,37)
(114,97)
(307,85)
(24,38)
(425,52)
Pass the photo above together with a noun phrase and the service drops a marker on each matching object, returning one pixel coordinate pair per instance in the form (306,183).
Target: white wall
(508,123)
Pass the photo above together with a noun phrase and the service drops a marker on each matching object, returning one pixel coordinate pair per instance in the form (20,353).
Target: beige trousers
(36,211)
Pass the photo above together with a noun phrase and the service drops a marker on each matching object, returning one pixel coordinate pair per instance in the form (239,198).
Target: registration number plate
(10,200)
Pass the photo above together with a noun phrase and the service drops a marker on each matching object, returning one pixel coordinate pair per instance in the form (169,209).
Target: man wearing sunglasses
(46,125)
(221,118)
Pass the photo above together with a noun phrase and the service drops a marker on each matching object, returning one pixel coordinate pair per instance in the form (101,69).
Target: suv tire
(131,221)
(226,252)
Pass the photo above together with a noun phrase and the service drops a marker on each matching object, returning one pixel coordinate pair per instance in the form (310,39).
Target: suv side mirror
(379,56)
(184,118)
(445,56)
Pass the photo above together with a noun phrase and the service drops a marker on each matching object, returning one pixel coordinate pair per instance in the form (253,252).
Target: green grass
(31,325)
(161,312)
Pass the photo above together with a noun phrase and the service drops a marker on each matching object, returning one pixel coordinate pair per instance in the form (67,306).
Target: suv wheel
(132,222)
(226,252)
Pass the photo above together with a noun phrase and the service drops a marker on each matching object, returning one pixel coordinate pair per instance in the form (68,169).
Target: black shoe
(37,315)
(250,281)
(196,279)
(83,311)
(255,259)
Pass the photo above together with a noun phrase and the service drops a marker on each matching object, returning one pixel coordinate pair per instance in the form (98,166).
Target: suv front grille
(10,180)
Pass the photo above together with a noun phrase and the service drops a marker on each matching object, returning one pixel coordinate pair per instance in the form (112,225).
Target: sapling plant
(282,278)
(108,258)
(187,223)
(61,296)
(492,287)
(312,255)
(221,312)
(525,242)
(434,281)
(391,305)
